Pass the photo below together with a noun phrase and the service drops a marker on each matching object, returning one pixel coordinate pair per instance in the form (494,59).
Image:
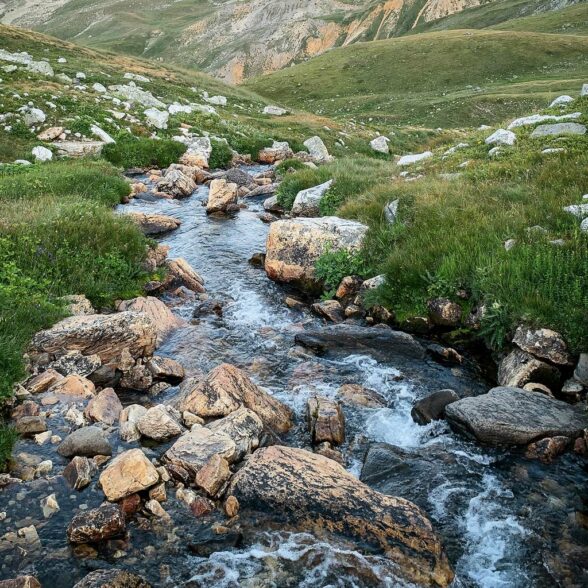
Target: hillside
(231,39)
(451,78)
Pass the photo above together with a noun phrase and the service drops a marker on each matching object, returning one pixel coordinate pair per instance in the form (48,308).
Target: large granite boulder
(512,416)
(293,246)
(307,202)
(87,441)
(317,492)
(103,335)
(226,389)
(222,197)
(176,183)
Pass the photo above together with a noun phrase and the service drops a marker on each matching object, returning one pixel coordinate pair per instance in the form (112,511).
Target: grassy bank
(451,230)
(59,236)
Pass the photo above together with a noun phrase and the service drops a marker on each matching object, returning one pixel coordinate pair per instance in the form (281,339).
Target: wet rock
(97,524)
(128,473)
(208,307)
(432,407)
(130,505)
(104,335)
(158,492)
(316,492)
(227,388)
(444,313)
(222,197)
(181,273)
(231,507)
(79,472)
(176,183)
(112,579)
(381,341)
(357,395)
(294,246)
(49,506)
(30,425)
(154,224)
(44,468)
(326,421)
(535,387)
(444,354)
(43,381)
(27,408)
(193,450)
(238,176)
(138,378)
(73,388)
(21,582)
(330,310)
(544,344)
(519,368)
(165,368)
(546,450)
(581,371)
(129,417)
(201,506)
(257,259)
(244,427)
(307,202)
(160,423)
(87,442)
(213,475)
(158,388)
(75,362)
(512,416)
(104,408)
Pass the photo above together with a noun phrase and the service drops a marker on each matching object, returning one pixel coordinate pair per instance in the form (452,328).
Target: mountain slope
(452,78)
(229,38)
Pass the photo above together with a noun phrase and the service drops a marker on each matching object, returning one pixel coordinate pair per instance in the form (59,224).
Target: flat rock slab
(512,416)
(381,342)
(559,129)
(315,491)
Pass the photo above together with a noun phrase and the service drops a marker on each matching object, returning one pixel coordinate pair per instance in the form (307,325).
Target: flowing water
(504,521)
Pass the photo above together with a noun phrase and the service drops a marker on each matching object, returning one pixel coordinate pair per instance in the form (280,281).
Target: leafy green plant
(495,325)
(8,437)
(221,155)
(333,266)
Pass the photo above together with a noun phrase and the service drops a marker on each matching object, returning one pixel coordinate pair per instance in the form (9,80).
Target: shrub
(333,266)
(284,166)
(130,152)
(221,155)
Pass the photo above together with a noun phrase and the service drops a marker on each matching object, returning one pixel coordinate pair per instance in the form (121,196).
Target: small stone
(546,450)
(326,420)
(160,423)
(130,505)
(329,309)
(43,381)
(79,472)
(97,524)
(201,506)
(158,493)
(42,438)
(444,312)
(44,468)
(231,507)
(156,509)
(213,475)
(432,407)
(29,425)
(49,506)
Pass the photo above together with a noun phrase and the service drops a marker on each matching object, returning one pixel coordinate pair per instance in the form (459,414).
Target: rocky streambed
(212,435)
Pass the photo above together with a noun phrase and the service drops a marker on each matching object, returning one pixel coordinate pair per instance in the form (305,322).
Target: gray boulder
(512,416)
(87,442)
(558,129)
(519,368)
(432,407)
(307,202)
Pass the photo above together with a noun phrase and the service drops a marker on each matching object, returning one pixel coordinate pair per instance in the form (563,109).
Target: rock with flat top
(128,473)
(213,475)
(326,421)
(558,130)
(222,197)
(97,524)
(317,493)
(544,344)
(160,423)
(307,202)
(165,368)
(414,158)
(279,151)
(243,426)
(519,368)
(512,416)
(181,273)
(501,137)
(152,224)
(432,407)
(176,183)
(87,442)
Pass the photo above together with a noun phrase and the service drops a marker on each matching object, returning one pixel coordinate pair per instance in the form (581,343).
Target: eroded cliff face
(232,39)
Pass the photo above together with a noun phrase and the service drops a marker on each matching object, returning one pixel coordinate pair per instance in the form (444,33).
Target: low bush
(8,438)
(333,266)
(221,155)
(130,152)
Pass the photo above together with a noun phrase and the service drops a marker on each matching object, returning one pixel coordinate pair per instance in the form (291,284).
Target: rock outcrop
(317,492)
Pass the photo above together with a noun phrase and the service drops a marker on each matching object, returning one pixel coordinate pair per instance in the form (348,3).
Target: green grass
(130,152)
(59,236)
(450,79)
(8,438)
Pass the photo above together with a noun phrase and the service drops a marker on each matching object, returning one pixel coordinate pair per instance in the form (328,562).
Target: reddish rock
(201,506)
(105,407)
(213,475)
(97,524)
(546,450)
(130,505)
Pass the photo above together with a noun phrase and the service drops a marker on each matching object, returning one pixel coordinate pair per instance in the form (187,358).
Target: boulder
(42,153)
(561,101)
(413,158)
(380,341)
(154,224)
(547,449)
(87,442)
(198,150)
(133,93)
(357,395)
(213,475)
(239,177)
(176,183)
(432,407)
(226,389)
(222,197)
(165,368)
(104,408)
(97,524)
(156,118)
(380,144)
(558,129)
(544,344)
(294,246)
(73,388)
(79,472)
(326,421)
(519,368)
(537,118)
(318,493)
(318,150)
(104,335)
(193,450)
(137,377)
(21,582)
(129,417)
(157,312)
(160,423)
(277,152)
(43,381)
(332,310)
(275,111)
(501,137)
(244,427)
(156,257)
(77,149)
(112,579)
(307,202)
(272,205)
(128,473)
(30,425)
(444,312)
(391,211)
(181,273)
(512,416)
(50,134)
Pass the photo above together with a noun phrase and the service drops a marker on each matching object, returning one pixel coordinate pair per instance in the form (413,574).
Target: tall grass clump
(130,152)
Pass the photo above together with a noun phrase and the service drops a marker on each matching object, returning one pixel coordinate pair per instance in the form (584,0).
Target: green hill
(451,78)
